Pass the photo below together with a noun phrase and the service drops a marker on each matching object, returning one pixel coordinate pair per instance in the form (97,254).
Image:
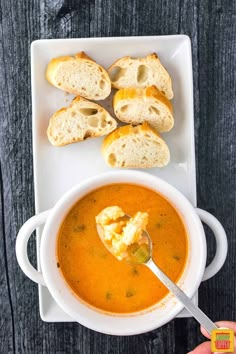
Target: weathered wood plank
(210,26)
(216,143)
(7,327)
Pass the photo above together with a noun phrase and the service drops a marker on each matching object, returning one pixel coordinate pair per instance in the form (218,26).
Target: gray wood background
(211,27)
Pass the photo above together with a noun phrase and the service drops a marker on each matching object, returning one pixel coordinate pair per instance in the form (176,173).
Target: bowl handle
(221,243)
(21,246)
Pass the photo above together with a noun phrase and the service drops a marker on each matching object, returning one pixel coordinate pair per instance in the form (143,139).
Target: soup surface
(95,275)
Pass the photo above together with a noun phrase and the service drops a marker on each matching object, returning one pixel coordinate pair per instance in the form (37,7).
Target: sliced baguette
(132,105)
(79,75)
(135,147)
(141,73)
(81,120)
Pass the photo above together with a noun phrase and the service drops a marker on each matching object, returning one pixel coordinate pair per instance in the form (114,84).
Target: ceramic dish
(58,169)
(121,323)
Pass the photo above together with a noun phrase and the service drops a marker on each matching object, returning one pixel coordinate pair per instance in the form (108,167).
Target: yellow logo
(222,340)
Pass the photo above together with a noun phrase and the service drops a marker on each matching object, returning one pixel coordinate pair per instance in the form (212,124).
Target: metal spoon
(141,253)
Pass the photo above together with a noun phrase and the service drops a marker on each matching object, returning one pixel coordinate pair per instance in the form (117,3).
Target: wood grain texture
(7,331)
(211,27)
(216,143)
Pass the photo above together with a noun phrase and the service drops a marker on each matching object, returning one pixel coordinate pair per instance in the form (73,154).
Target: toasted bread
(132,105)
(141,73)
(135,147)
(79,75)
(81,120)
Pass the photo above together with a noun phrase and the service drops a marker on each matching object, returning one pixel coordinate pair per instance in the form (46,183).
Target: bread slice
(136,105)
(135,147)
(79,75)
(140,73)
(81,120)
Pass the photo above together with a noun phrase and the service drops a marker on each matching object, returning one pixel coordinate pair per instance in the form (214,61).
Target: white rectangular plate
(58,169)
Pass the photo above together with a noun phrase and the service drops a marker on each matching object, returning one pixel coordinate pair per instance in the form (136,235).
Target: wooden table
(211,27)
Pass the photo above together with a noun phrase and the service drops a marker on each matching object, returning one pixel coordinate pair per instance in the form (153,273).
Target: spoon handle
(182,297)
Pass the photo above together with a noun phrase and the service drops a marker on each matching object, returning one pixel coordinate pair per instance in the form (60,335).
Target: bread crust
(150,91)
(127,130)
(128,57)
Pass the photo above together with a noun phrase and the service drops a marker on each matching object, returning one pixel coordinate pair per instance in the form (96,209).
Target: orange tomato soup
(95,275)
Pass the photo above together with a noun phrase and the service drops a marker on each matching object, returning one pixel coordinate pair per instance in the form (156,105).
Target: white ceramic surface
(118,324)
(58,169)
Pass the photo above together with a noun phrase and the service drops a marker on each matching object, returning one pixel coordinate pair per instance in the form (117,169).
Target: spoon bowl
(136,253)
